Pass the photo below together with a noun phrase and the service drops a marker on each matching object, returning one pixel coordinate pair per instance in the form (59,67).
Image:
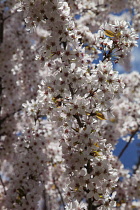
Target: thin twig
(3,185)
(62,200)
(15,12)
(78,120)
(9,115)
(71,90)
(125,147)
(108,55)
(91,93)
(45,200)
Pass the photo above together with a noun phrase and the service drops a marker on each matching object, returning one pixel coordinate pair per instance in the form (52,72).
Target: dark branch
(78,120)
(108,55)
(45,200)
(71,90)
(91,94)
(3,185)
(125,147)
(62,200)
(9,115)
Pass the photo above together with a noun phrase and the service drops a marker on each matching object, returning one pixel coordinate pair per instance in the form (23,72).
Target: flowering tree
(64,106)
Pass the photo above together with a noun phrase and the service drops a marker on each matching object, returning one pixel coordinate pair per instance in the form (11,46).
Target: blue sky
(130,156)
(136,54)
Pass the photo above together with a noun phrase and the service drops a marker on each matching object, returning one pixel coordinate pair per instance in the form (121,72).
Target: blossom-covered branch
(57,61)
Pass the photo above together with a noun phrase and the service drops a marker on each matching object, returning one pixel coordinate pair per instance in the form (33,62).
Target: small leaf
(113,120)
(54,164)
(96,144)
(76,189)
(88,114)
(112,34)
(100,116)
(100,196)
(95,154)
(118,34)
(53,187)
(109,33)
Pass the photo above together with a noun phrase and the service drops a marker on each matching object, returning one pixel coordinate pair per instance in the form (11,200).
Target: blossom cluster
(125,121)
(62,113)
(76,104)
(26,185)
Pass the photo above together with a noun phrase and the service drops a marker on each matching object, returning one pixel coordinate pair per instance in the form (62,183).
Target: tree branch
(125,147)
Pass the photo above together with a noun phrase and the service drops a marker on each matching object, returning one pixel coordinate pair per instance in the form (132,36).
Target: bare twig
(62,200)
(125,147)
(91,94)
(45,200)
(9,115)
(2,183)
(78,120)
(108,55)
(71,90)
(15,12)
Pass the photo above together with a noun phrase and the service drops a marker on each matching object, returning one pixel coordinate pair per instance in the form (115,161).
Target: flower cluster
(26,183)
(76,94)
(125,121)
